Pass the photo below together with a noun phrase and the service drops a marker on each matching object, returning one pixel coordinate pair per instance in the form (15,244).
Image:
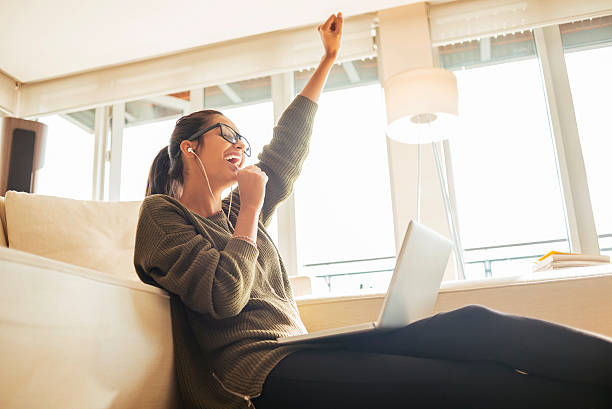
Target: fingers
(255,168)
(333,23)
(328,22)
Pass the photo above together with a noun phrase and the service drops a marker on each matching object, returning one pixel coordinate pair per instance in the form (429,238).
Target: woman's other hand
(331,34)
(252,185)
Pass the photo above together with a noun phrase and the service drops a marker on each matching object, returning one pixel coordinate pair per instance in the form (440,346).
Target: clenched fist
(252,186)
(331,34)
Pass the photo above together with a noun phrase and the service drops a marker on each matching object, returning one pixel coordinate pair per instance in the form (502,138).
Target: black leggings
(472,357)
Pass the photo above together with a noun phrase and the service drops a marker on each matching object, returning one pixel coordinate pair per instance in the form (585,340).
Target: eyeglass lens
(231,136)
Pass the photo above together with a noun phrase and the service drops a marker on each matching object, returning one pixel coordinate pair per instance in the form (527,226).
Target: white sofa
(79,330)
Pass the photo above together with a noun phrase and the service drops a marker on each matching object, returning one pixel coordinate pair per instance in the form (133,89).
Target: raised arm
(331,36)
(281,160)
(283,157)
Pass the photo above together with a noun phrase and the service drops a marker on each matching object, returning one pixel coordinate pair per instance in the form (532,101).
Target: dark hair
(166,174)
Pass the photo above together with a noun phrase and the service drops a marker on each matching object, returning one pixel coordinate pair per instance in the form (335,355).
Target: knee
(476,311)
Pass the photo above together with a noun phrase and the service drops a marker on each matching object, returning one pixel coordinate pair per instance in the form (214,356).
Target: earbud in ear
(190,149)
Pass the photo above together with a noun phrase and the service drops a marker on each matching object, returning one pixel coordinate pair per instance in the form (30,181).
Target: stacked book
(556,260)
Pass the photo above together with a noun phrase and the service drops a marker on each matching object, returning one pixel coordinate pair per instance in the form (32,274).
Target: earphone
(190,150)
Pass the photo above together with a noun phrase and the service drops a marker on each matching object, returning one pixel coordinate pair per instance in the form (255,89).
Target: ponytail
(165,178)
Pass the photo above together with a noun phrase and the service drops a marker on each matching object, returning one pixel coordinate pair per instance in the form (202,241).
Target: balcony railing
(386,264)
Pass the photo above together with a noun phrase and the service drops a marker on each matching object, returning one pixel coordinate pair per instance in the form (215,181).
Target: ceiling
(42,39)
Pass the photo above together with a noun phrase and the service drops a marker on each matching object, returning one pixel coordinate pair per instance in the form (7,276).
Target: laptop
(412,292)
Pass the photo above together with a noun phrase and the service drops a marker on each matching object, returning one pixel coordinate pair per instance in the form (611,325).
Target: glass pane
(141,143)
(68,160)
(235,94)
(588,56)
(156,109)
(248,104)
(255,122)
(343,199)
(149,122)
(509,201)
(486,51)
(344,75)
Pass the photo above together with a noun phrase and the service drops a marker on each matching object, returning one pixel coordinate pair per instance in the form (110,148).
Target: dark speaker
(22,147)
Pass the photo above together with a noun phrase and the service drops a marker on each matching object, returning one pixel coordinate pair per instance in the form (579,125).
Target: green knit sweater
(229,299)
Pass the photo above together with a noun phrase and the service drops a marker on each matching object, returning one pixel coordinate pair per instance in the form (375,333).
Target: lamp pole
(422,106)
(449,214)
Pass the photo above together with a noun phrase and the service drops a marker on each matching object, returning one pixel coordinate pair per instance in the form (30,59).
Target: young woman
(231,298)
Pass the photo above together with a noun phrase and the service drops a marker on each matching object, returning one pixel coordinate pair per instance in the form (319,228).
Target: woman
(231,297)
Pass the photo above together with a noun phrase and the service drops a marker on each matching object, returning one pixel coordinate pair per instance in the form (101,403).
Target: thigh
(477,333)
(340,378)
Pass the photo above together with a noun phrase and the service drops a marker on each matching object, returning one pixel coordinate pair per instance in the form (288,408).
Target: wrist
(250,211)
(329,57)
(246,238)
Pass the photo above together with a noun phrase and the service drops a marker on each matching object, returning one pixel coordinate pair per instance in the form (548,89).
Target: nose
(240,144)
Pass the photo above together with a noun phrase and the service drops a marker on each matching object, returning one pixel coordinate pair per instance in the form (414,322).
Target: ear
(185,145)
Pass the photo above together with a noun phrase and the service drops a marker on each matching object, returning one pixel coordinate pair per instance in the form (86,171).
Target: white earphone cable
(210,190)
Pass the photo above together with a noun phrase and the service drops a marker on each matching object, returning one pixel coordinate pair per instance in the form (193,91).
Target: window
(588,55)
(148,125)
(255,122)
(344,220)
(509,202)
(248,104)
(68,156)
(141,143)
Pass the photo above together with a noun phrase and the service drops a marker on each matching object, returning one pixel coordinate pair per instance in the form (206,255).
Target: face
(220,158)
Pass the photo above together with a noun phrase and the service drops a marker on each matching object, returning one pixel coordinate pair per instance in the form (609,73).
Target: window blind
(468,20)
(250,57)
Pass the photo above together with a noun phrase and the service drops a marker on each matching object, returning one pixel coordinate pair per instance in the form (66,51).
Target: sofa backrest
(93,234)
(3,238)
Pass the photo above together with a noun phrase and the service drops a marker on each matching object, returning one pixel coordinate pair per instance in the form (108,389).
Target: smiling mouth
(234,160)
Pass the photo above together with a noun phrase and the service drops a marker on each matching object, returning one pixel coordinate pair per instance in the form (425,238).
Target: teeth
(229,157)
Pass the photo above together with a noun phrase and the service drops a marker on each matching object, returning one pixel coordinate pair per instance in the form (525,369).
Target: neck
(196,196)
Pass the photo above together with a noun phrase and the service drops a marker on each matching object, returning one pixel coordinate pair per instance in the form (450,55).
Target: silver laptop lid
(414,286)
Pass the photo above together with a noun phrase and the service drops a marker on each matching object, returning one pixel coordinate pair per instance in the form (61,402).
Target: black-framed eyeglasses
(227,133)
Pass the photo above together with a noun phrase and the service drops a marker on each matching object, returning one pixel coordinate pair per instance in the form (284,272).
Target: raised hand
(331,34)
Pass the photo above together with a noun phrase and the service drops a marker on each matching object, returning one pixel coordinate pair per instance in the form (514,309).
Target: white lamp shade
(422,105)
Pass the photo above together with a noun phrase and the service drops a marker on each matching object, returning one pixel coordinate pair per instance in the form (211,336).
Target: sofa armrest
(79,338)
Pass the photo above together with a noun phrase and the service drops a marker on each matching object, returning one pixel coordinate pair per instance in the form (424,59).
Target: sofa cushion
(92,234)
(3,239)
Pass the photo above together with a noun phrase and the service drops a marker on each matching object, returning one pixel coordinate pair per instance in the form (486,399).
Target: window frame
(570,163)
(576,202)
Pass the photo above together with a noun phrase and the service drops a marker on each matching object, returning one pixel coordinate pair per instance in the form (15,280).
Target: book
(555,265)
(558,256)
(556,260)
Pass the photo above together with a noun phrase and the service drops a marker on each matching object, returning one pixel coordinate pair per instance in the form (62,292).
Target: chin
(231,181)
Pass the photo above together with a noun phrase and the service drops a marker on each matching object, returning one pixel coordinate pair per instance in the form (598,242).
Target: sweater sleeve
(283,157)
(170,253)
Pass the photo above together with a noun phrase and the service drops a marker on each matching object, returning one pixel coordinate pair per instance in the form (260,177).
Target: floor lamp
(422,107)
